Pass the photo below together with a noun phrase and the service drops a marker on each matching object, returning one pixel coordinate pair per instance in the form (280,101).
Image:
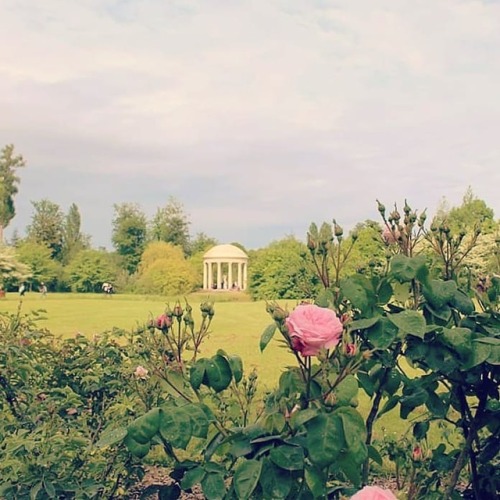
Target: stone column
(245,276)
(210,277)
(230,275)
(205,287)
(219,275)
(240,282)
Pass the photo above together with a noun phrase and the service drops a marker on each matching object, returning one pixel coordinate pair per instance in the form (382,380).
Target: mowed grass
(236,327)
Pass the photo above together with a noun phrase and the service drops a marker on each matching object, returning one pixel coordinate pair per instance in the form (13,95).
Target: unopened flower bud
(381,208)
(406,208)
(337,230)
(351,350)
(395,216)
(177,312)
(163,322)
(311,244)
(417,454)
(279,314)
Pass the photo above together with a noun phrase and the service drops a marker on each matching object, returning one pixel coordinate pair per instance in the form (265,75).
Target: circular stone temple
(225,268)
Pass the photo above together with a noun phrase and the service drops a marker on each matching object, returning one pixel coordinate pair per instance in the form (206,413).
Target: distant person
(107,288)
(22,290)
(43,289)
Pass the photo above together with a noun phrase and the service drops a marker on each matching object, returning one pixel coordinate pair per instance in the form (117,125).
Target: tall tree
(73,239)
(129,234)
(9,162)
(171,225)
(90,269)
(37,256)
(47,226)
(282,270)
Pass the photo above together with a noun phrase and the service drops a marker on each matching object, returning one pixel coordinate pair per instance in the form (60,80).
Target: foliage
(164,270)
(73,239)
(283,270)
(55,401)
(129,234)
(38,258)
(47,226)
(171,225)
(12,270)
(9,162)
(89,269)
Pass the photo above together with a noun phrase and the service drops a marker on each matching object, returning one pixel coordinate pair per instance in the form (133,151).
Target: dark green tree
(73,238)
(201,243)
(9,181)
(47,226)
(129,234)
(171,225)
(282,270)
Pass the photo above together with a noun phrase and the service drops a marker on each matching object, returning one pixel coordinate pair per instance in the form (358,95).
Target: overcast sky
(260,116)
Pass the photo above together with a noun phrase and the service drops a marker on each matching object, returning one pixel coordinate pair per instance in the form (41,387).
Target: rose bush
(312,328)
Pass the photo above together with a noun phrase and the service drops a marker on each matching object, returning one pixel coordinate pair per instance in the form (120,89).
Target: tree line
(160,256)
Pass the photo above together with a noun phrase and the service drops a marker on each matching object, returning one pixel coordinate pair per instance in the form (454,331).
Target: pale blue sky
(259,116)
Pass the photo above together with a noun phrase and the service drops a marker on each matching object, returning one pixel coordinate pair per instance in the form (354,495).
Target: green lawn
(236,328)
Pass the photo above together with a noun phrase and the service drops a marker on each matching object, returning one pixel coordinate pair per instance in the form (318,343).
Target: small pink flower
(312,328)
(71,411)
(141,372)
(163,322)
(373,493)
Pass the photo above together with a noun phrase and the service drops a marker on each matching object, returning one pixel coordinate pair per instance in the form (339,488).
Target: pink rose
(312,328)
(351,350)
(373,493)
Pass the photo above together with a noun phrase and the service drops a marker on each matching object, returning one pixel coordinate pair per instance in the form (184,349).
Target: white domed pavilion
(225,268)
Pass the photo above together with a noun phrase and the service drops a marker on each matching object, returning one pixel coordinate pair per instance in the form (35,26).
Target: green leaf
(438,292)
(374,455)
(246,478)
(213,486)
(218,373)
(302,416)
(384,291)
(420,430)
(275,422)
(389,405)
(137,449)
(112,436)
(462,302)
(143,429)
(267,336)
(288,457)
(354,432)
(197,373)
(363,324)
(175,427)
(324,298)
(358,290)
(346,391)
(192,477)
(409,323)
(315,480)
(275,482)
(382,334)
(405,269)
(199,420)
(49,489)
(236,366)
(325,438)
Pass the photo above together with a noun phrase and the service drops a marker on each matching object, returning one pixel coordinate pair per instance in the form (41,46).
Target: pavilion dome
(225,252)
